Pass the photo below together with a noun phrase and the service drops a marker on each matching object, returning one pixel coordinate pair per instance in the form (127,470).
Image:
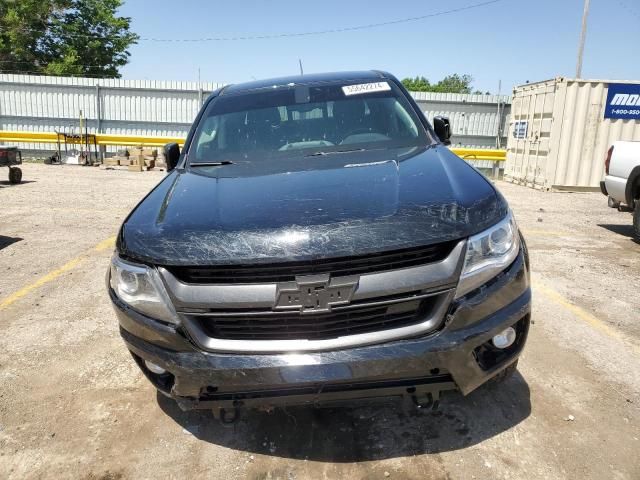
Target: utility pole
(200,92)
(499,132)
(583,35)
(300,63)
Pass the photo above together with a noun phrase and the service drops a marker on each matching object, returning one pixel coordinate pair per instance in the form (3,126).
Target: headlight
(489,253)
(142,289)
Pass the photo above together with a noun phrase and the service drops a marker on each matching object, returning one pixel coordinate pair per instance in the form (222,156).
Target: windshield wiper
(321,154)
(211,164)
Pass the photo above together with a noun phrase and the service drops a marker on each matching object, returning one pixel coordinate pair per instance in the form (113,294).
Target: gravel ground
(74,405)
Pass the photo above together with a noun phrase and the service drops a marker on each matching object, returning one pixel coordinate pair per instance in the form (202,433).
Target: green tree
(23,24)
(454,83)
(64,37)
(417,84)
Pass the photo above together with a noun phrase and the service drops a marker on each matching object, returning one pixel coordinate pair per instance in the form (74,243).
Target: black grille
(340,322)
(341,266)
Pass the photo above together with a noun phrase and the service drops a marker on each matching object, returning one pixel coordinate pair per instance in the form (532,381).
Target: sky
(512,41)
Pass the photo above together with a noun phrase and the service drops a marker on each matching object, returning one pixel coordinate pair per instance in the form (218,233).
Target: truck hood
(302,208)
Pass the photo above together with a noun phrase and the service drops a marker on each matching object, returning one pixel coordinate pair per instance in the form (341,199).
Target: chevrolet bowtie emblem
(314,293)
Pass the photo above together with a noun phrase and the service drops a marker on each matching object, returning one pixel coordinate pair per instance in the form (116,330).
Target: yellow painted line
(106,244)
(582,314)
(38,283)
(49,277)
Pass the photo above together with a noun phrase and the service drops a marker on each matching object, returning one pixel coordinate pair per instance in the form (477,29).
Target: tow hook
(227,416)
(427,401)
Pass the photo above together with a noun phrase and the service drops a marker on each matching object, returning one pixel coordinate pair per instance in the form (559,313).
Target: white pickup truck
(622,180)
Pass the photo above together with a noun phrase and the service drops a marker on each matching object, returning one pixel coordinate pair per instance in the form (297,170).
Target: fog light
(505,338)
(154,368)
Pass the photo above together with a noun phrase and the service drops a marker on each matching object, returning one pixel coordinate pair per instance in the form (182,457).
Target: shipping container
(560,130)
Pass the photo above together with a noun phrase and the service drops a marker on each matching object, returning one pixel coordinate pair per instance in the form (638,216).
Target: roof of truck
(332,77)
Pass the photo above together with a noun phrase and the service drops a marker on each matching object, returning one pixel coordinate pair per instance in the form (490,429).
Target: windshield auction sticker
(366,88)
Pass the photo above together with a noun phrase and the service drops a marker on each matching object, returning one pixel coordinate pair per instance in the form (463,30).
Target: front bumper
(453,358)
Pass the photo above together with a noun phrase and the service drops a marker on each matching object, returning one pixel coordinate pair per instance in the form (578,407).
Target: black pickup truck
(315,241)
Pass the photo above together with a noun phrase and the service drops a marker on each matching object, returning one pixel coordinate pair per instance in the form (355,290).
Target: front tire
(15,175)
(636,220)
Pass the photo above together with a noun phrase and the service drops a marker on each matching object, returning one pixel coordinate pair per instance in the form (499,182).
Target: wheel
(636,220)
(15,175)
(504,374)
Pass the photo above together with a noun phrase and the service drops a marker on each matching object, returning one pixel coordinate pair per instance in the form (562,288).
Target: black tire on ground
(636,220)
(504,374)
(15,175)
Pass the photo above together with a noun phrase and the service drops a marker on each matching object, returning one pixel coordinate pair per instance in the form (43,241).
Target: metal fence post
(98,111)
(102,148)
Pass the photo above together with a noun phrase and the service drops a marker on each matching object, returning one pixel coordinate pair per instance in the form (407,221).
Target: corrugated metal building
(478,121)
(127,107)
(162,108)
(559,134)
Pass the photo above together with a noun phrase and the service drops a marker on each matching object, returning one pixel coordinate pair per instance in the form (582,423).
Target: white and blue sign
(520,129)
(623,101)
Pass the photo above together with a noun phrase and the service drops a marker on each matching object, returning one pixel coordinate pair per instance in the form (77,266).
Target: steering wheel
(357,131)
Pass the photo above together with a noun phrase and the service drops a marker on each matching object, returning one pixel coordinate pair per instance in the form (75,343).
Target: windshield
(308,120)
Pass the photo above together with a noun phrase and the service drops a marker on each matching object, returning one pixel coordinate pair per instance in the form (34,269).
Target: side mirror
(171,155)
(442,127)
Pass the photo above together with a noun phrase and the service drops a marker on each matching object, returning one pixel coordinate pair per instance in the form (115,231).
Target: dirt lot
(74,405)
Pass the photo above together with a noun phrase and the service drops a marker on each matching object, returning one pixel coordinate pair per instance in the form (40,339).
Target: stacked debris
(137,159)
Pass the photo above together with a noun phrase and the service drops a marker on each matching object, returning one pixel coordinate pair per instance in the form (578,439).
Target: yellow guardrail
(101,138)
(493,155)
